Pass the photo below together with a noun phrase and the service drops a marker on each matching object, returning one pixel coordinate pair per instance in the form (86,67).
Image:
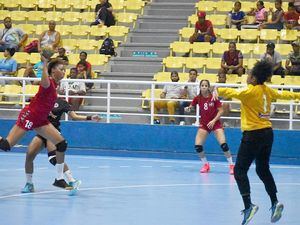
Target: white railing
(109,114)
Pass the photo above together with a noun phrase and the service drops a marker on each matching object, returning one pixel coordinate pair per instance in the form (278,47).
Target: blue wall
(175,139)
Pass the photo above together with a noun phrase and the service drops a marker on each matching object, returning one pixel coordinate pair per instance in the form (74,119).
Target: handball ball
(47,53)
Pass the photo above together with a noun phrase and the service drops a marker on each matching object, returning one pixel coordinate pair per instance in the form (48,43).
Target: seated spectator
(62,55)
(189,92)
(12,37)
(83,57)
(104,15)
(75,88)
(8,65)
(204,31)
(291,17)
(277,18)
(296,4)
(226,106)
(293,59)
(236,17)
(261,16)
(232,61)
(49,38)
(170,91)
(274,58)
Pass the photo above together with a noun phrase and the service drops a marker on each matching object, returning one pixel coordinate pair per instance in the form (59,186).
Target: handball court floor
(138,191)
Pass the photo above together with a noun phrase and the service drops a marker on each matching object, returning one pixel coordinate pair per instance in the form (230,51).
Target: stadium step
(171,12)
(183,5)
(162,25)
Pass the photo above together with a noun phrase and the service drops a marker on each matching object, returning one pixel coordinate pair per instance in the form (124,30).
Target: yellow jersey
(256,104)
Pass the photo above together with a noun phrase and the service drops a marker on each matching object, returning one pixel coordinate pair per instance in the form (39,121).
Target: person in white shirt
(170,91)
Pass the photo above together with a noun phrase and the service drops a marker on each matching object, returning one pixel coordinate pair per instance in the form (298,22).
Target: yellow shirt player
(257,138)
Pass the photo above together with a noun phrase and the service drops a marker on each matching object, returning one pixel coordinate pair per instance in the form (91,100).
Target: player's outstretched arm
(45,82)
(75,116)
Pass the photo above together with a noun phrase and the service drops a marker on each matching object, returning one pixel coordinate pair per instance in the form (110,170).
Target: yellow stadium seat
(29,4)
(219,48)
(21,57)
(73,58)
(12,92)
(12,4)
(69,44)
(201,48)
(291,80)
(183,77)
(217,20)
(41,28)
(134,5)
(250,63)
(186,33)
(173,62)
(36,16)
(147,95)
(79,30)
(31,90)
(34,58)
(118,32)
(162,77)
(259,49)
(55,16)
(64,30)
(211,77)
(244,48)
(97,31)
(179,47)
(283,49)
(27,28)
(81,4)
(276,80)
(87,44)
(4,13)
(74,17)
(87,17)
(195,62)
(268,35)
(19,15)
(97,59)
(224,6)
(232,79)
(212,64)
(249,35)
(288,35)
(207,6)
(127,18)
(64,5)
(46,4)
(229,34)
(192,20)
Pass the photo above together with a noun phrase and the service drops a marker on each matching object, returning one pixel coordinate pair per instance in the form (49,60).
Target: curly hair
(262,70)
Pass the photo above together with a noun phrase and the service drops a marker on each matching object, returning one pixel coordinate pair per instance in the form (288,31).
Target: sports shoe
(205,168)
(182,123)
(156,121)
(62,184)
(231,169)
(28,188)
(277,209)
(249,213)
(75,184)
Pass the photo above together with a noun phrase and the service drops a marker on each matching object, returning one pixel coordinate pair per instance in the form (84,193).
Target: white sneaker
(182,123)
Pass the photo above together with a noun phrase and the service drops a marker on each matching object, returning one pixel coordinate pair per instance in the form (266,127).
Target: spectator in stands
(83,57)
(188,92)
(232,61)
(171,91)
(104,14)
(49,38)
(296,4)
(274,58)
(75,88)
(236,17)
(204,31)
(11,37)
(277,18)
(226,106)
(261,16)
(8,65)
(62,55)
(291,17)
(293,59)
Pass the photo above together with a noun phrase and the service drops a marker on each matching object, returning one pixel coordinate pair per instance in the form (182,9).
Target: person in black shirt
(62,55)
(104,14)
(38,143)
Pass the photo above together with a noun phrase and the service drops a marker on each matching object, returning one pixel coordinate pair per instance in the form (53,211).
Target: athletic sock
(204,160)
(229,160)
(247,201)
(29,178)
(60,171)
(69,176)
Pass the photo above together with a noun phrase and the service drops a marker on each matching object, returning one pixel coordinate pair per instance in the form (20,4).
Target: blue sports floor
(138,191)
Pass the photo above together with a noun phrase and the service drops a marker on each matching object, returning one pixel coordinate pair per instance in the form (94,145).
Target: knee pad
(199,148)
(61,146)
(4,145)
(52,157)
(224,147)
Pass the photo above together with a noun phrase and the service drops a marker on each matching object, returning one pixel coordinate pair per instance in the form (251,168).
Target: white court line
(124,166)
(138,186)
(83,167)
(178,161)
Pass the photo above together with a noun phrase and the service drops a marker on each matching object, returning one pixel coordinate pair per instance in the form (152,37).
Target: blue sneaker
(276,212)
(28,188)
(75,184)
(249,213)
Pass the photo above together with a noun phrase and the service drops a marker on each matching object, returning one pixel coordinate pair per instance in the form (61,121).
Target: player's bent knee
(61,146)
(199,148)
(4,145)
(224,147)
(52,157)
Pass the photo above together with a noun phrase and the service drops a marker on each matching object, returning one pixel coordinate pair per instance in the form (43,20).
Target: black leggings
(255,145)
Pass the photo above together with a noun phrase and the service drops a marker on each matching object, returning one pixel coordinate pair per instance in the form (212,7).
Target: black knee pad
(199,148)
(61,146)
(4,145)
(52,157)
(224,147)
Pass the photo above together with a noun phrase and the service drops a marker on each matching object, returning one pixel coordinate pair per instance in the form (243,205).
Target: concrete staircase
(154,32)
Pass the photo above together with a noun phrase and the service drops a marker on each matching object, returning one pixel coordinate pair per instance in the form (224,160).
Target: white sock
(229,159)
(29,178)
(204,160)
(60,171)
(69,176)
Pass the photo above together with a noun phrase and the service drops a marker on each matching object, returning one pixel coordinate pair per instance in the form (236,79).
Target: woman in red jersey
(210,112)
(35,117)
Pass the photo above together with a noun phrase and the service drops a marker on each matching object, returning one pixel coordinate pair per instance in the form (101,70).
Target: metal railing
(109,113)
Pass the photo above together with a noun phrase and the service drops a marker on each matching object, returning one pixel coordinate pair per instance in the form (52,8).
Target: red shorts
(28,120)
(218,125)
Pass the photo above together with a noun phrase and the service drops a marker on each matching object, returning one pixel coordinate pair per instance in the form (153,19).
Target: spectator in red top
(83,57)
(232,61)
(204,31)
(291,17)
